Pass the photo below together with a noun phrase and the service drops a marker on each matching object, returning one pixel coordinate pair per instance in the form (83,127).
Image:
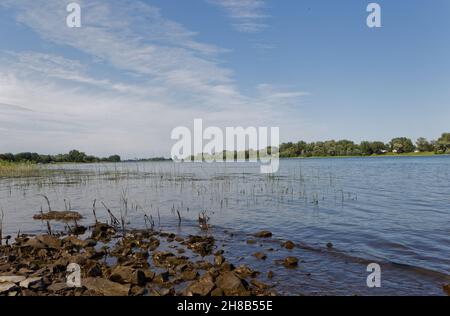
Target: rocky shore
(113,262)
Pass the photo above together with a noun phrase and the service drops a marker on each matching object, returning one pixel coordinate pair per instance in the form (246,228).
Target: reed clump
(16,170)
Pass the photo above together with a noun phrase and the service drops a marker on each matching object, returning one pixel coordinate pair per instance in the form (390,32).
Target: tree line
(73,156)
(332,148)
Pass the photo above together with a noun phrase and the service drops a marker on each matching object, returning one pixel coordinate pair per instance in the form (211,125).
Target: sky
(136,70)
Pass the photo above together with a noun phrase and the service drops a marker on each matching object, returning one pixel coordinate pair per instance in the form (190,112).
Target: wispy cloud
(163,77)
(248,15)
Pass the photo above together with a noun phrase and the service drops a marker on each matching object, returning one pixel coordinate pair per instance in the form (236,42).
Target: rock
(75,242)
(34,243)
(291,262)
(217,292)
(35,282)
(226,266)
(263,234)
(251,242)
(149,275)
(270,275)
(260,285)
(5,267)
(232,285)
(329,245)
(50,241)
(161,278)
(95,271)
(7,286)
(202,287)
(123,274)
(189,275)
(57,287)
(260,256)
(11,279)
(106,287)
(218,260)
(245,272)
(288,245)
(446,289)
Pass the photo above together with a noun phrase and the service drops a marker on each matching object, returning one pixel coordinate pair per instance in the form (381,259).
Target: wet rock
(72,241)
(35,283)
(202,287)
(123,274)
(106,287)
(447,289)
(330,245)
(270,275)
(219,260)
(226,267)
(138,290)
(263,234)
(201,245)
(58,216)
(34,243)
(251,242)
(232,285)
(11,279)
(291,262)
(260,285)
(288,245)
(245,272)
(102,231)
(260,256)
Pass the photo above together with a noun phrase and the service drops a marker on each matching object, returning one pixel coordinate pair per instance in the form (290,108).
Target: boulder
(129,275)
(232,285)
(106,287)
(202,287)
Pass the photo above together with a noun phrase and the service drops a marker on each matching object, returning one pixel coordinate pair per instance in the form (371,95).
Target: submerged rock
(288,245)
(263,234)
(291,262)
(260,255)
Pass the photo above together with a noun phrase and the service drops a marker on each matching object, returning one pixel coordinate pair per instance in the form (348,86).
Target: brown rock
(232,285)
(447,289)
(7,287)
(218,260)
(50,241)
(106,287)
(202,287)
(289,245)
(270,275)
(263,234)
(189,275)
(123,274)
(291,262)
(260,256)
(161,278)
(57,287)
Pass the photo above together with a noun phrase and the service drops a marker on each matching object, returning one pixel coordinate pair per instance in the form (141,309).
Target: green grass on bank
(390,154)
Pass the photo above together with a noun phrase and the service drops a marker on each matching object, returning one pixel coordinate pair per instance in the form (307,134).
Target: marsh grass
(17,170)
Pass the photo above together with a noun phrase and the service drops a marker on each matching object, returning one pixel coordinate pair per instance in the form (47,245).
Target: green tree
(402,145)
(423,145)
(443,144)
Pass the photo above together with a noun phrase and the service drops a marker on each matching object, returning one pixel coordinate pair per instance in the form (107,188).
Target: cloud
(158,77)
(248,15)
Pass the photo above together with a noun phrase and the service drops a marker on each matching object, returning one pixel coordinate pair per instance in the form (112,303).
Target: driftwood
(58,216)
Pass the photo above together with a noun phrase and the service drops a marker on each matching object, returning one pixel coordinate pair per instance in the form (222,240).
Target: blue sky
(137,69)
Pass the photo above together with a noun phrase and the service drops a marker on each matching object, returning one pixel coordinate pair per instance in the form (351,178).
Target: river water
(394,211)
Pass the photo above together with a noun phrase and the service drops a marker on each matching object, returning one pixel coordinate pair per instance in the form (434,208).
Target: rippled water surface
(390,210)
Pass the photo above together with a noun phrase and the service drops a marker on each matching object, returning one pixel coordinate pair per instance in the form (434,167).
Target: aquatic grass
(17,170)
